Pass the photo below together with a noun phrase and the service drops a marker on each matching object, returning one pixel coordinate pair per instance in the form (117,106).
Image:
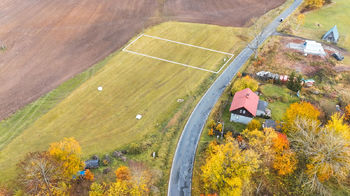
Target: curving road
(182,167)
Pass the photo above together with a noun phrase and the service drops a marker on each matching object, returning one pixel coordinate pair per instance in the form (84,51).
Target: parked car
(338,56)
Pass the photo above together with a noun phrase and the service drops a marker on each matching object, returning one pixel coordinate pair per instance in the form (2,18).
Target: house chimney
(247,95)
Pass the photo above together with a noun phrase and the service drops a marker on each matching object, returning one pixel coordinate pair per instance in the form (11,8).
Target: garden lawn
(102,121)
(280,98)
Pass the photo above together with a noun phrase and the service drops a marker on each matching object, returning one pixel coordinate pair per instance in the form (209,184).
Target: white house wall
(240,119)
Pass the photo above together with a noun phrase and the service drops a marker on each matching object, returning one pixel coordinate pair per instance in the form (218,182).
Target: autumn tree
(273,150)
(123,173)
(254,124)
(314,4)
(97,189)
(228,169)
(285,160)
(300,20)
(211,132)
(219,127)
(325,152)
(136,182)
(141,179)
(89,175)
(299,110)
(40,174)
(243,83)
(347,113)
(211,124)
(68,153)
(121,187)
(337,124)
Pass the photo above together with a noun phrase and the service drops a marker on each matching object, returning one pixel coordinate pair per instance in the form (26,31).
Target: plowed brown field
(49,41)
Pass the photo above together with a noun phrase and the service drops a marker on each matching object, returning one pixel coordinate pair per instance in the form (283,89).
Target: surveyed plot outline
(125,49)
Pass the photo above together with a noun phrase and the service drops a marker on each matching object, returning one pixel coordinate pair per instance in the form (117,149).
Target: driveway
(182,167)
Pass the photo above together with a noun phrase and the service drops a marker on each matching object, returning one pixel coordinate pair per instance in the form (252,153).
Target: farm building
(246,105)
(314,48)
(332,35)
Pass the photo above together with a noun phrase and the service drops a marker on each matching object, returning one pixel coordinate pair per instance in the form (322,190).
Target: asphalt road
(182,167)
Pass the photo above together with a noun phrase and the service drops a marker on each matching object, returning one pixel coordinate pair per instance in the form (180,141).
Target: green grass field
(103,121)
(206,59)
(336,13)
(282,97)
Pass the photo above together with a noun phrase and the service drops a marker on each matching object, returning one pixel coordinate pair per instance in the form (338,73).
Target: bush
(254,124)
(135,148)
(294,83)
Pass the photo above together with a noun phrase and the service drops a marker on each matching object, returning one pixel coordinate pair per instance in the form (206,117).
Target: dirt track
(49,42)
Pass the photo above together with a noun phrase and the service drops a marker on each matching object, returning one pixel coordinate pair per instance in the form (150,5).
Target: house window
(240,111)
(243,111)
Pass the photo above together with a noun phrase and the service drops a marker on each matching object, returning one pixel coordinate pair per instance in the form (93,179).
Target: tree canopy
(243,83)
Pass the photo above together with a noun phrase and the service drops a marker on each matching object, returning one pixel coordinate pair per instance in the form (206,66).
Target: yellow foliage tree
(131,183)
(120,188)
(299,110)
(68,153)
(243,83)
(219,127)
(337,124)
(211,123)
(254,124)
(228,169)
(314,4)
(97,189)
(301,19)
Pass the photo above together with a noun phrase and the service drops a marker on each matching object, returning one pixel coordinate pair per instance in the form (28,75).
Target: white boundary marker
(174,62)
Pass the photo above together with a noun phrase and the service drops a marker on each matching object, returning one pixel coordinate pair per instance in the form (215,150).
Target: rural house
(332,35)
(246,105)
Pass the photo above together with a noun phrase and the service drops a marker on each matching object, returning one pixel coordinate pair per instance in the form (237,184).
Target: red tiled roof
(245,98)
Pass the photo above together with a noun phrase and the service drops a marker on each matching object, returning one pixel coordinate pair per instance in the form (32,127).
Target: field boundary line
(174,62)
(181,43)
(169,61)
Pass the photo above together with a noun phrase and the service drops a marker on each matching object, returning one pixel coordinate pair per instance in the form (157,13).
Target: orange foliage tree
(89,175)
(123,173)
(347,113)
(284,160)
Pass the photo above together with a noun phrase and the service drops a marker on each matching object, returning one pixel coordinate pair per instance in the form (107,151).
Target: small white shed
(314,48)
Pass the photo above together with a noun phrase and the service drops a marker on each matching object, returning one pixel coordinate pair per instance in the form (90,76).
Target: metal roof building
(332,35)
